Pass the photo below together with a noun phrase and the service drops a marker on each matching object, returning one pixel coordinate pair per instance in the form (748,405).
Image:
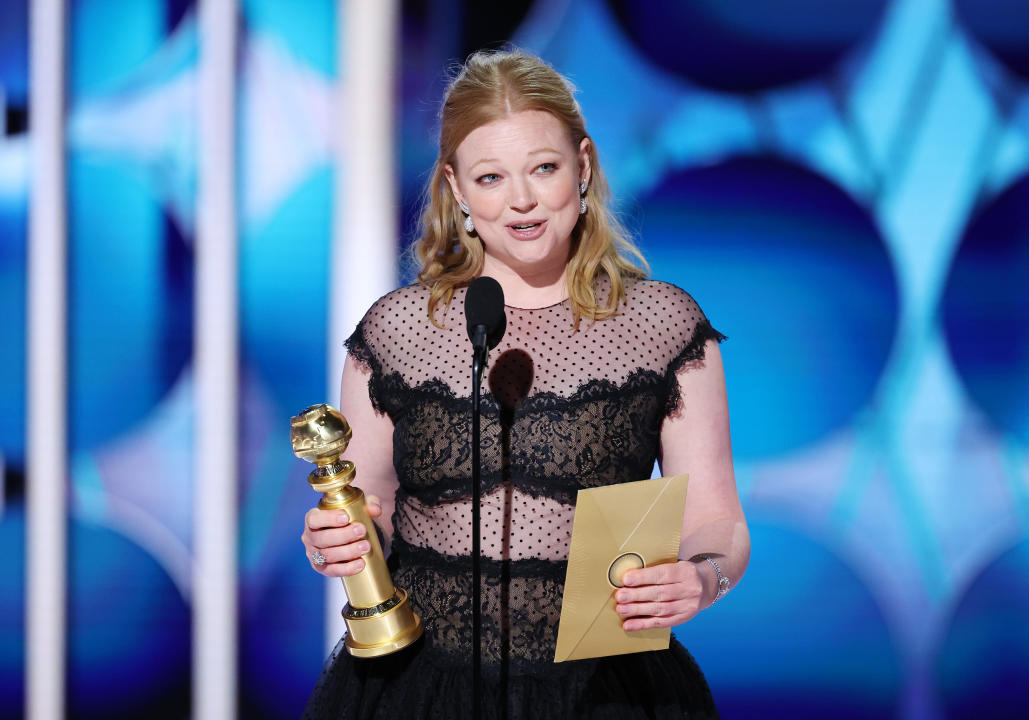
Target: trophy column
(379,616)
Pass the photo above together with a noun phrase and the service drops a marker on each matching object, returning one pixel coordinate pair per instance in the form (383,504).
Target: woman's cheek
(487,206)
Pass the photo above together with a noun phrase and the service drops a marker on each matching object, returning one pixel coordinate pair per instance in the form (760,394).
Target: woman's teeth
(525,227)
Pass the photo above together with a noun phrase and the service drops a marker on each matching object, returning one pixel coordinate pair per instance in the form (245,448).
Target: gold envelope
(642,518)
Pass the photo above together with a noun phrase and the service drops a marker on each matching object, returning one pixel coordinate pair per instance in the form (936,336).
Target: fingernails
(622,596)
(358,531)
(364,547)
(342,518)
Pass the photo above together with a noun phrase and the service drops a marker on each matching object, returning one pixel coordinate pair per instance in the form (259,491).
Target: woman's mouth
(527,230)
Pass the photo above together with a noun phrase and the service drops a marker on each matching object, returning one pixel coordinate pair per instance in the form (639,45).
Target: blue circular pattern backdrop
(808,666)
(1000,26)
(284,266)
(985,307)
(130,291)
(802,271)
(129,627)
(284,616)
(12,613)
(748,45)
(13,227)
(982,668)
(854,447)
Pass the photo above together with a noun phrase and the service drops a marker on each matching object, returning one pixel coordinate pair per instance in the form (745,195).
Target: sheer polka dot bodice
(562,410)
(539,352)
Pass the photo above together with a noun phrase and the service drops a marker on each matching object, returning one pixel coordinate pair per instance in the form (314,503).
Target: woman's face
(520,178)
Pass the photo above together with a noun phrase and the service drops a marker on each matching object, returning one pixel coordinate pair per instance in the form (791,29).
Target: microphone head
(484,305)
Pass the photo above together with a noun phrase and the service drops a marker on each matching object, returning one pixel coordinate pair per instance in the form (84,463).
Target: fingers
(339,543)
(656,574)
(655,622)
(343,560)
(674,603)
(336,536)
(659,596)
(316,519)
(655,593)
(340,569)
(374,505)
(339,560)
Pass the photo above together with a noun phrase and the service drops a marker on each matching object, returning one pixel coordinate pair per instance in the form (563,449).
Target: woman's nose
(522,198)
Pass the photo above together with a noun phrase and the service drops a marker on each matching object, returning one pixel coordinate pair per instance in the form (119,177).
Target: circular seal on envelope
(621,565)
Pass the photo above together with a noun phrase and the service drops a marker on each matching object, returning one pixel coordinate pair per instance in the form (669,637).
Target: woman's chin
(531,256)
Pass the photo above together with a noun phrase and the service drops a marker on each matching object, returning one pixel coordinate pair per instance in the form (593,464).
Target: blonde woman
(600,373)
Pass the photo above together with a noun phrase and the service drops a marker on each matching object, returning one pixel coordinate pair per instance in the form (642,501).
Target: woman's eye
(487,179)
(547,168)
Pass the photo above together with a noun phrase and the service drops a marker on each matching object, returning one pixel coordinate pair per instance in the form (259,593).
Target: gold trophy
(379,616)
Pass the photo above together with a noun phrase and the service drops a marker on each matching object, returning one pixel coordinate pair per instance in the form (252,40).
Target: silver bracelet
(723,582)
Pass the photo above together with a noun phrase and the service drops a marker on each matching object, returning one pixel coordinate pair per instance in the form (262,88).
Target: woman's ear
(585,169)
(448,170)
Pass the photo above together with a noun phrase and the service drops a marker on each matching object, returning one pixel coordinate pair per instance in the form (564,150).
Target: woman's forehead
(515,136)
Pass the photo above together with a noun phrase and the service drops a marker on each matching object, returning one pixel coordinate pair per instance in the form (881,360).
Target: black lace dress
(561,410)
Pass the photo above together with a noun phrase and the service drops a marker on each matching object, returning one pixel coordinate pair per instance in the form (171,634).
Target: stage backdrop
(844,190)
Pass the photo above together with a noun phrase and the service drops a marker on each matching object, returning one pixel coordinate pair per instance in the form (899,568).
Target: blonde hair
(490,86)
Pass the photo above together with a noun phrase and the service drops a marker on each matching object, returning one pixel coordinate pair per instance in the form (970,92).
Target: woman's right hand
(331,535)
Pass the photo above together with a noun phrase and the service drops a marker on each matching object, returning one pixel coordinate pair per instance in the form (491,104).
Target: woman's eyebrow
(484,160)
(531,152)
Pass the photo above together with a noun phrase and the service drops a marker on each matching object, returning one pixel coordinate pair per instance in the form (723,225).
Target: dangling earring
(469,226)
(582,197)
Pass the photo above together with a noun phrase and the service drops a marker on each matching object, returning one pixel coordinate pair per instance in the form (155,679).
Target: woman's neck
(534,289)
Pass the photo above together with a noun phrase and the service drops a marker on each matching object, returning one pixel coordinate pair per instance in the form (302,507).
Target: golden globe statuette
(379,616)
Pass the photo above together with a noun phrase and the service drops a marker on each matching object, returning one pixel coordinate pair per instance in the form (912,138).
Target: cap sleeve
(373,344)
(686,324)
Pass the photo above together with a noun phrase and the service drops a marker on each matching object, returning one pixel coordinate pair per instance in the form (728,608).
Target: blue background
(844,191)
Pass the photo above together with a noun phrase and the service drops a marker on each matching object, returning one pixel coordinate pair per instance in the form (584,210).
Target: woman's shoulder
(404,302)
(665,311)
(390,317)
(658,297)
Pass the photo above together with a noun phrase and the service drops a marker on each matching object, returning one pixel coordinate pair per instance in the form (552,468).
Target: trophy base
(385,629)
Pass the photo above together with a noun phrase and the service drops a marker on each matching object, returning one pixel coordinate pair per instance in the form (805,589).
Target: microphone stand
(478,366)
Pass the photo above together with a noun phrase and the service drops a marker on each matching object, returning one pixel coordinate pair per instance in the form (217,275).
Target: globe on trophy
(379,616)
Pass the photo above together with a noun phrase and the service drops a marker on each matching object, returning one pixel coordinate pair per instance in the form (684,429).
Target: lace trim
(630,414)
(640,381)
(693,351)
(520,606)
(453,489)
(357,347)
(382,386)
(534,568)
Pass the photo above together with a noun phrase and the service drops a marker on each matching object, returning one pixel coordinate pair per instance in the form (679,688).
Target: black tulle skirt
(416,683)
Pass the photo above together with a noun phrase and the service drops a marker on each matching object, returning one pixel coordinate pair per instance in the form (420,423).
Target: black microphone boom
(484,311)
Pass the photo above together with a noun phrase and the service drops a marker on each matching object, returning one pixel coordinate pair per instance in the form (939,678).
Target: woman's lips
(528,230)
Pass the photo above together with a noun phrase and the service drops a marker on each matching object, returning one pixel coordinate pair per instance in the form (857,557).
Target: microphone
(484,312)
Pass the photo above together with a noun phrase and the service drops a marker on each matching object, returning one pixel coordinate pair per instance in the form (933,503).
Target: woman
(600,373)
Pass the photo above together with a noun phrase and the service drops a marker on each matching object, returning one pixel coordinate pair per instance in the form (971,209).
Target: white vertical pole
(47,419)
(216,362)
(364,242)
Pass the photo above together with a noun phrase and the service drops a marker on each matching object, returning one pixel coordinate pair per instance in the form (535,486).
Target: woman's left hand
(659,596)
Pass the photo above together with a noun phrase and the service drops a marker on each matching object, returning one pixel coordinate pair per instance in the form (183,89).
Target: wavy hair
(490,86)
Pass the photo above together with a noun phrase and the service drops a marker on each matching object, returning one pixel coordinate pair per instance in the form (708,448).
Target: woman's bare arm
(330,532)
(694,441)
